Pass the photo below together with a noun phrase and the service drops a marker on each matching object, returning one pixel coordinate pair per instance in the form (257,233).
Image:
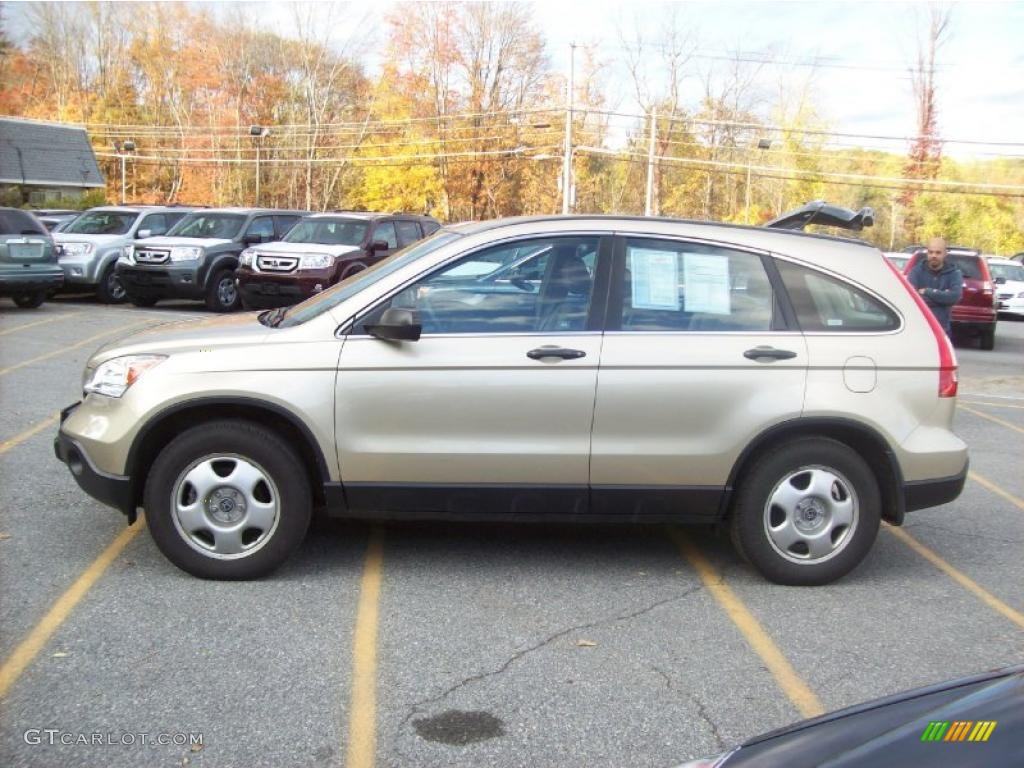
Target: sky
(861,85)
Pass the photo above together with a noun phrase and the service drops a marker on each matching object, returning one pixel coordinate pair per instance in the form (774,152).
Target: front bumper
(13,283)
(266,290)
(166,282)
(1011,306)
(113,490)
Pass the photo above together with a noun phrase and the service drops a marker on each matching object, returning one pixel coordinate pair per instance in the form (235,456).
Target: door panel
(701,365)
(491,409)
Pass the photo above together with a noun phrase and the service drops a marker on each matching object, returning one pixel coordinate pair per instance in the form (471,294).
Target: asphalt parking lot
(470,645)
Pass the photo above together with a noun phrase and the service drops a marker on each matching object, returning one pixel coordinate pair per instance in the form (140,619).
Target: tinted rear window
(18,222)
(970,266)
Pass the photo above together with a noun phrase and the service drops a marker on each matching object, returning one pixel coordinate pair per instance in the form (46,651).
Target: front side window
(156,223)
(102,223)
(679,286)
(823,303)
(218,225)
(262,227)
(386,231)
(284,224)
(328,232)
(408,232)
(540,285)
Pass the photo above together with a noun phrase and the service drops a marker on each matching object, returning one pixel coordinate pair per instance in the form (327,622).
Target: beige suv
(791,386)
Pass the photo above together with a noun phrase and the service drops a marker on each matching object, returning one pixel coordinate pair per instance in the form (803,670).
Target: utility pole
(762,144)
(258,133)
(649,196)
(567,149)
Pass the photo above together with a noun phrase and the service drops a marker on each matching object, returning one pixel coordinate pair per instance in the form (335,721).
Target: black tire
(143,301)
(752,518)
(987,339)
(30,300)
(111,289)
(222,445)
(222,294)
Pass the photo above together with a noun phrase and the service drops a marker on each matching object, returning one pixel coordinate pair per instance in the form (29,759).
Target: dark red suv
(321,250)
(975,313)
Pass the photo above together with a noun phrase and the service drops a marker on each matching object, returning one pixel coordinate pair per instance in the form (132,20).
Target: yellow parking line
(21,437)
(993,419)
(796,690)
(993,405)
(30,647)
(959,577)
(68,348)
(984,481)
(51,319)
(362,718)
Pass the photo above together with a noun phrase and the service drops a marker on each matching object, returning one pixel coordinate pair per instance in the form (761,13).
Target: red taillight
(947,359)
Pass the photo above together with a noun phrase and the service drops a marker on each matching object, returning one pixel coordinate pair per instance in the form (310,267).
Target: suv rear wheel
(222,293)
(228,500)
(987,339)
(807,512)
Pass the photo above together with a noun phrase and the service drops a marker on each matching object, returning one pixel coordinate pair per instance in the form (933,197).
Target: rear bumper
(13,283)
(922,494)
(113,490)
(161,283)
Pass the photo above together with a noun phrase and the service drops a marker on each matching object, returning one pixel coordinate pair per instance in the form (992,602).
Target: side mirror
(142,234)
(255,238)
(1000,281)
(397,325)
(378,245)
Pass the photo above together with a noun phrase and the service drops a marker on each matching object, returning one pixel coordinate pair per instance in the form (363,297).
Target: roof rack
(820,212)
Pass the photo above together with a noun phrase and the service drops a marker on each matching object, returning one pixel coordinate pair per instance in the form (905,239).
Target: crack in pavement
(702,712)
(418,706)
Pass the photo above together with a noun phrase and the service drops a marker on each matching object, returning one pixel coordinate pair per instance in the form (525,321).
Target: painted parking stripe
(959,577)
(37,639)
(993,419)
(989,485)
(33,324)
(21,437)
(362,716)
(796,690)
(62,350)
(992,405)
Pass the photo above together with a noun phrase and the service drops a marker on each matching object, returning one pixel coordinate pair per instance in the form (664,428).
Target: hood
(186,336)
(283,247)
(168,242)
(98,240)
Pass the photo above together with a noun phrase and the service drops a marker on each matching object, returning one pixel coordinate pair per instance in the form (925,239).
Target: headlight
(113,377)
(127,255)
(77,249)
(316,261)
(186,253)
(1020,295)
(245,257)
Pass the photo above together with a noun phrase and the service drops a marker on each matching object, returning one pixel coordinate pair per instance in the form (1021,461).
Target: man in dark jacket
(939,282)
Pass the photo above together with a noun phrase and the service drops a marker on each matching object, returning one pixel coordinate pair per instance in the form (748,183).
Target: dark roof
(44,154)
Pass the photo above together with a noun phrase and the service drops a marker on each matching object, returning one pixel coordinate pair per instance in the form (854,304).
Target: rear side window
(677,286)
(823,303)
(284,224)
(408,232)
(430,226)
(18,223)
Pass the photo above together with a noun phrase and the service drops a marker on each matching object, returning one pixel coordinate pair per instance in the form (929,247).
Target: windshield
(220,225)
(317,305)
(102,223)
(1007,271)
(328,232)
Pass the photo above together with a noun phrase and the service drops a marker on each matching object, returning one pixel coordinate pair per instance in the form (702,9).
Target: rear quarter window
(825,304)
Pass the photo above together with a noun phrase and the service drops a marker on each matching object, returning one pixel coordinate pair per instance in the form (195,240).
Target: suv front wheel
(228,500)
(222,292)
(807,512)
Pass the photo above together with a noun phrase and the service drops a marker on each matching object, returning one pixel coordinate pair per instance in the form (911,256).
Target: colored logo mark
(958,730)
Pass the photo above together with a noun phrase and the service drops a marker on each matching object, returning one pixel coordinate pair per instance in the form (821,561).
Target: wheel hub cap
(226,505)
(811,514)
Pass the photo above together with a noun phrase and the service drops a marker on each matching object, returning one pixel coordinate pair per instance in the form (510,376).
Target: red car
(975,313)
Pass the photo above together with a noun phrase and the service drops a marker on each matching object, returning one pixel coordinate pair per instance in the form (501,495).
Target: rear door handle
(566,354)
(768,352)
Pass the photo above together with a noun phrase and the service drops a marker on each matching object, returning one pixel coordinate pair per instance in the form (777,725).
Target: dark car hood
(887,733)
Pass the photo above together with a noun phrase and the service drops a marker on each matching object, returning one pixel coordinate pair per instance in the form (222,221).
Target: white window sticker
(654,276)
(706,278)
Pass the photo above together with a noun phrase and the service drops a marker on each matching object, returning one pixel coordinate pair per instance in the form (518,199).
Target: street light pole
(258,133)
(122,149)
(567,150)
(649,196)
(762,144)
